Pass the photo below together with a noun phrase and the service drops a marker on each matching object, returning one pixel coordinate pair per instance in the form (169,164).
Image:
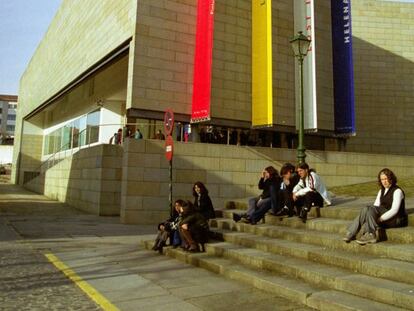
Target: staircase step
(399,235)
(362,263)
(320,275)
(290,288)
(403,252)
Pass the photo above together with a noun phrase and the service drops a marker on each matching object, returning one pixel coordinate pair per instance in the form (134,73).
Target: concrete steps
(316,297)
(390,269)
(319,275)
(310,262)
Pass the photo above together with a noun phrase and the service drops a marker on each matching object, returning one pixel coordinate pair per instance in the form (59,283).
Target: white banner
(305,21)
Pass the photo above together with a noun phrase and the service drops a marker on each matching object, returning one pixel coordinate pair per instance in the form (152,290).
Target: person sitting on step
(202,201)
(169,229)
(194,229)
(260,205)
(310,191)
(388,211)
(289,179)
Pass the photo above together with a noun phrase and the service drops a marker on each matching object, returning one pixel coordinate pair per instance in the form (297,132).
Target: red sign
(200,109)
(169,147)
(168,121)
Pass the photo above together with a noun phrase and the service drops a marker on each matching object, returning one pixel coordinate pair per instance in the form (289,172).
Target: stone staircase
(309,262)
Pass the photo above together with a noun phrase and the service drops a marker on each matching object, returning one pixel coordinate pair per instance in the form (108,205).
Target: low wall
(89,180)
(228,172)
(133,180)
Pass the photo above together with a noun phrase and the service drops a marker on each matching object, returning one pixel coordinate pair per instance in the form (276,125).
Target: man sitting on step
(310,191)
(289,179)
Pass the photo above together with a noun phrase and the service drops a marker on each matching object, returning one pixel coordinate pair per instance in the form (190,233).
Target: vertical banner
(203,55)
(262,95)
(343,69)
(304,14)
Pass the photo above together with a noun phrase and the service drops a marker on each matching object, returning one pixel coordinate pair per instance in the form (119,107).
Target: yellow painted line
(83,285)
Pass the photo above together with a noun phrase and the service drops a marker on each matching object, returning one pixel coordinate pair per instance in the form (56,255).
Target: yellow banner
(262,95)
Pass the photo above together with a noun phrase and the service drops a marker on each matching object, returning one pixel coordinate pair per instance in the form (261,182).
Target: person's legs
(371,225)
(252,205)
(263,207)
(310,199)
(186,234)
(357,223)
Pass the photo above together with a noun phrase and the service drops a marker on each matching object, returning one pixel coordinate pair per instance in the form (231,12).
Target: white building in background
(8,106)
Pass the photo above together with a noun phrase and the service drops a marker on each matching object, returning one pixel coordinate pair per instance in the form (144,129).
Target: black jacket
(204,206)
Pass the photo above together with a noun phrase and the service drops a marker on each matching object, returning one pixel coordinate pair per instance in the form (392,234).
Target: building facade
(105,69)
(8,107)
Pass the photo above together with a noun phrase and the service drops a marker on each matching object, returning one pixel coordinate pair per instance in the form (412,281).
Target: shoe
(245,220)
(304,214)
(367,238)
(236,217)
(348,237)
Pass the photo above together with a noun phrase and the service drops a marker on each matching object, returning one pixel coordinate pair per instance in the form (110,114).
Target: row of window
(79,132)
(10,117)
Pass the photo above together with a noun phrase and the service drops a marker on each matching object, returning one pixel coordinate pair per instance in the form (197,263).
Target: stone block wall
(89,180)
(229,172)
(383,44)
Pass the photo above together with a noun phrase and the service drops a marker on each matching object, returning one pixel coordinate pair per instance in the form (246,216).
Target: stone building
(8,105)
(109,65)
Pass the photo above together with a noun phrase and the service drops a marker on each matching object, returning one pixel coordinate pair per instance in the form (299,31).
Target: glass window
(12,106)
(92,132)
(82,131)
(10,128)
(11,117)
(66,137)
(75,133)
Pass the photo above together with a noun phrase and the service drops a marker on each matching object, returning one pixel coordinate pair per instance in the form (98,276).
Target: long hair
(390,175)
(187,207)
(272,172)
(203,189)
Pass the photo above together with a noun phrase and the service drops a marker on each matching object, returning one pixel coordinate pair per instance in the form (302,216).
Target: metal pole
(170,186)
(301,155)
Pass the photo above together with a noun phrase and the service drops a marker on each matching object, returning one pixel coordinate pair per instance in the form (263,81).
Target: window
(12,106)
(92,123)
(11,117)
(10,128)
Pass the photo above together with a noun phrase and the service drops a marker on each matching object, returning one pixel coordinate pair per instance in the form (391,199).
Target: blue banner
(343,68)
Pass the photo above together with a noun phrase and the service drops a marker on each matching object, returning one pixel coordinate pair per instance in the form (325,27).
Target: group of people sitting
(188,225)
(292,193)
(297,189)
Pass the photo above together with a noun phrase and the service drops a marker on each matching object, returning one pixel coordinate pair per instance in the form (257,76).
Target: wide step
(314,297)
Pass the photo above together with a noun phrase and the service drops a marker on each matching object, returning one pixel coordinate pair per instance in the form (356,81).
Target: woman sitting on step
(258,206)
(310,191)
(194,229)
(169,229)
(202,201)
(388,211)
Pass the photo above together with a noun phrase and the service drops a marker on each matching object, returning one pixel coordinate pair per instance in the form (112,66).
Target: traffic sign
(169,147)
(168,122)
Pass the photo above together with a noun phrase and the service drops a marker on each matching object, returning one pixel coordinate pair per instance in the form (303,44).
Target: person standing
(310,191)
(137,134)
(388,211)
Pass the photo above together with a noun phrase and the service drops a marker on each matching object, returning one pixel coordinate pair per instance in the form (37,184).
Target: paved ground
(108,256)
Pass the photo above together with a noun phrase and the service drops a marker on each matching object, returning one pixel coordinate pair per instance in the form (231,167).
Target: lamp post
(300,45)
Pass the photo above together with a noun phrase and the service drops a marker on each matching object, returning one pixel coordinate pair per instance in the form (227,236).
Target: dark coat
(204,206)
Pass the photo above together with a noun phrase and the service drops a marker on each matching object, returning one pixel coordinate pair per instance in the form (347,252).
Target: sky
(23,24)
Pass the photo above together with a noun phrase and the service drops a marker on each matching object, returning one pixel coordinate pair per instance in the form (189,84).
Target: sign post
(169,149)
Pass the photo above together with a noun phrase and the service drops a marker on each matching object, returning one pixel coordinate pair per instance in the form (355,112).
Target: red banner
(202,61)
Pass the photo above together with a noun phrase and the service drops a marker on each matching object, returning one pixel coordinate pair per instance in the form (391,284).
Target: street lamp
(300,45)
